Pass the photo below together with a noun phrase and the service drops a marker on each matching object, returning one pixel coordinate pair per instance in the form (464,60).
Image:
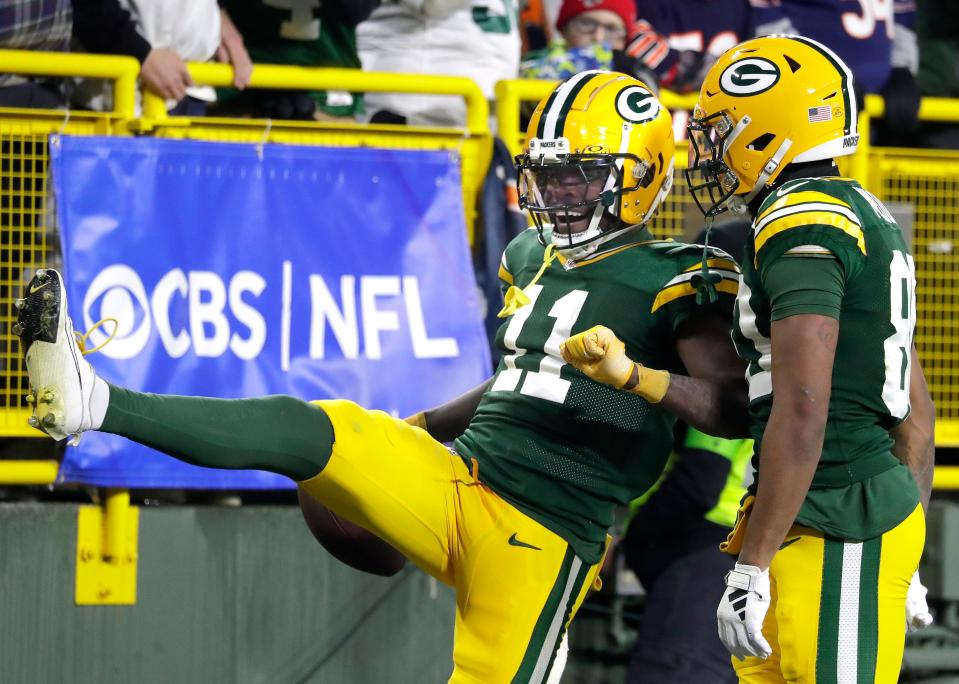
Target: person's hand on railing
(233,51)
(166,74)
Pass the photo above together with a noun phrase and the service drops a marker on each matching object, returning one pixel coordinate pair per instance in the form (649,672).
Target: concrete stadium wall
(224,595)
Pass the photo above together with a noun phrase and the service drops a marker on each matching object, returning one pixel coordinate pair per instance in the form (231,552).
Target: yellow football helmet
(767,103)
(598,161)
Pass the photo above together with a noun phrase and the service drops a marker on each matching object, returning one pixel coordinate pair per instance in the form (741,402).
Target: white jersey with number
(479,40)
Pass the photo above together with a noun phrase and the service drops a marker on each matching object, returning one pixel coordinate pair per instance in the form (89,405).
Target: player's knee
(307,436)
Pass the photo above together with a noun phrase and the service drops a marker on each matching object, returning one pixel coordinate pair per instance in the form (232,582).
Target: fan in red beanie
(583,22)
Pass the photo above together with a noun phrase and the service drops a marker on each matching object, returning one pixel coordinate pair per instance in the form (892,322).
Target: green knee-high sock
(281,434)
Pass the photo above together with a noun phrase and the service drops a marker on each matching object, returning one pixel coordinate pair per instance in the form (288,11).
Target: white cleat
(62,383)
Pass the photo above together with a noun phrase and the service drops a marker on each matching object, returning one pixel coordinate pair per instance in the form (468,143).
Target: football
(349,543)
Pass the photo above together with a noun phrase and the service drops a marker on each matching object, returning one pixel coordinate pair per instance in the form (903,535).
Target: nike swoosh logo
(37,288)
(788,542)
(513,541)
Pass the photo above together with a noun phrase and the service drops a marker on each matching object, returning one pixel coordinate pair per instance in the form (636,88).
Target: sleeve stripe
(718,263)
(687,275)
(504,273)
(669,294)
(794,198)
(807,218)
(799,208)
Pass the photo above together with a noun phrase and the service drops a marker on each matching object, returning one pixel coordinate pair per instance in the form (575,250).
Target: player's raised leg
(386,478)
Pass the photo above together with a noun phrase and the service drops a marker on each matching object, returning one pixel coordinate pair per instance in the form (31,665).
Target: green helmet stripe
(553,118)
(844,72)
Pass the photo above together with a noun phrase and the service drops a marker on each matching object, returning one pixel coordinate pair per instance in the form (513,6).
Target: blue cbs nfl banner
(237,271)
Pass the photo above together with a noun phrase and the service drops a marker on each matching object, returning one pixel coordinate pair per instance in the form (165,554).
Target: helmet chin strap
(739,204)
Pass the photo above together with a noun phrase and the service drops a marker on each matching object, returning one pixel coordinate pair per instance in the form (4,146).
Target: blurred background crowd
(901,50)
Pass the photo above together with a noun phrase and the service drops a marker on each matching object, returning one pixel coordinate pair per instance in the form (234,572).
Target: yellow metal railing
(306,78)
(29,238)
(473,143)
(122,71)
(28,472)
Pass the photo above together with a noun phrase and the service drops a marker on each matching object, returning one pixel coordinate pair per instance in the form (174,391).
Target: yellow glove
(601,356)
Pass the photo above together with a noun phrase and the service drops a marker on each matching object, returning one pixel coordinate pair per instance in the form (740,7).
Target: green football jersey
(560,447)
(299,33)
(860,489)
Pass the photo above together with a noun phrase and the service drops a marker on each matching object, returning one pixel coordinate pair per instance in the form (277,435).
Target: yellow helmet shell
(602,112)
(798,100)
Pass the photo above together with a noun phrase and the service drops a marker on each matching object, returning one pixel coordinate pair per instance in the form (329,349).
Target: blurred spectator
(679,41)
(672,545)
(501,220)
(876,41)
(535,29)
(163,35)
(585,22)
(33,25)
(593,35)
(178,31)
(937,30)
(476,39)
(321,34)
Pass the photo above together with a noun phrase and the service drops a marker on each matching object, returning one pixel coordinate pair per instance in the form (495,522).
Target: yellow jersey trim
(806,218)
(717,262)
(794,198)
(674,292)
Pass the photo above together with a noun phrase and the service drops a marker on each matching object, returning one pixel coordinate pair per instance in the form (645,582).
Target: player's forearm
(448,421)
(718,408)
(790,453)
(915,438)
(803,353)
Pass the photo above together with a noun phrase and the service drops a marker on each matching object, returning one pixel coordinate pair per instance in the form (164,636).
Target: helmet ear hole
(761,143)
(644,173)
(648,177)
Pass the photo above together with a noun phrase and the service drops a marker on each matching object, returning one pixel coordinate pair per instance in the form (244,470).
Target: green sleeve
(804,285)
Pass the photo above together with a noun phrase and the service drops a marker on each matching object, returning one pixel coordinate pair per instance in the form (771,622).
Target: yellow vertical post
(507,116)
(115,532)
(107,541)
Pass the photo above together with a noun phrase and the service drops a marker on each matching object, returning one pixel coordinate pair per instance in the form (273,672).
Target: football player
(514,517)
(829,542)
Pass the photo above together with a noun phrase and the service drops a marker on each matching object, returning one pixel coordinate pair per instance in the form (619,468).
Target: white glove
(917,610)
(742,611)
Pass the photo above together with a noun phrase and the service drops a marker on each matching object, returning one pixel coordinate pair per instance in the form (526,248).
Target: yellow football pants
(517,584)
(838,609)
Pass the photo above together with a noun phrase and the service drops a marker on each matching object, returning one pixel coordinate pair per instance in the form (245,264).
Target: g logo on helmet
(636,104)
(117,292)
(749,76)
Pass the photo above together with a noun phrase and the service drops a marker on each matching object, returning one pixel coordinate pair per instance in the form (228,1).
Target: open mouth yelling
(572,221)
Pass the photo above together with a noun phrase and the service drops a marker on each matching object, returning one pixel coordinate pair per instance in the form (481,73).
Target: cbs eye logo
(637,105)
(117,292)
(749,76)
